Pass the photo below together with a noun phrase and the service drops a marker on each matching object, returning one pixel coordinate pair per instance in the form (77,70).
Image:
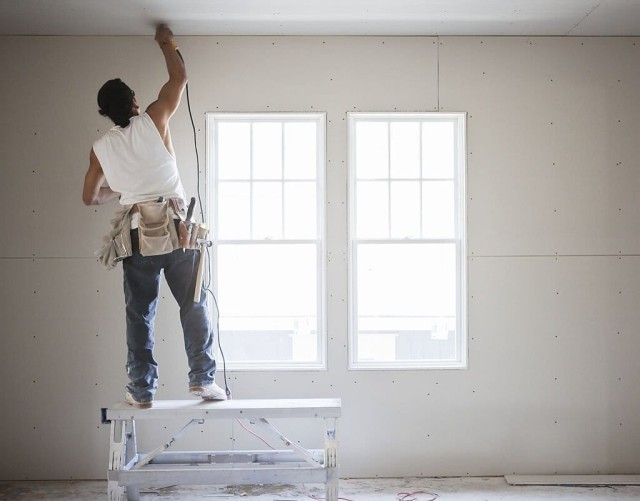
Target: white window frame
(212,195)
(460,361)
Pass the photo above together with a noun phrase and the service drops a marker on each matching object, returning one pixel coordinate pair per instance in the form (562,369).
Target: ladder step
(229,409)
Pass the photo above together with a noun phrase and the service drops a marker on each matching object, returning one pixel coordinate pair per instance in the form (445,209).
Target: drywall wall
(554,273)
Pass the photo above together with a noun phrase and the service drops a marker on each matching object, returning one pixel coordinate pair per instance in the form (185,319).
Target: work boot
(209,392)
(128,398)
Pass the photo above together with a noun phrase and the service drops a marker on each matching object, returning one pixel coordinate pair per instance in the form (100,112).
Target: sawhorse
(129,469)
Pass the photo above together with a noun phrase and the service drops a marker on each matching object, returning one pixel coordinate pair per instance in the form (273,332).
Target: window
(407,240)
(267,199)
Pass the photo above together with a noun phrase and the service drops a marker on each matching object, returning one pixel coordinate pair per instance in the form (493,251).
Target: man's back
(137,164)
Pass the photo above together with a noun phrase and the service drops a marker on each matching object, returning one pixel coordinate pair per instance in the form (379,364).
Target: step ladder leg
(117,447)
(122,451)
(133,493)
(331,458)
(332,485)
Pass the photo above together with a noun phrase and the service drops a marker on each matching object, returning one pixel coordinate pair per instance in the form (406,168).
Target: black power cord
(208,274)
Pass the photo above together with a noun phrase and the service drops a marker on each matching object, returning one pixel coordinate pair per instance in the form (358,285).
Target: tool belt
(157,233)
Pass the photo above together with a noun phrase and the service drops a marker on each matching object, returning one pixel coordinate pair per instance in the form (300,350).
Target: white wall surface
(554,268)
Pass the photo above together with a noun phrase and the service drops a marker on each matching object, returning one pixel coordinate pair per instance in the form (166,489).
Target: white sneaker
(128,398)
(209,392)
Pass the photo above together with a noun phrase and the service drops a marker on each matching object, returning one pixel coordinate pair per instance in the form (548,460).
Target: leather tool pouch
(117,244)
(122,245)
(156,229)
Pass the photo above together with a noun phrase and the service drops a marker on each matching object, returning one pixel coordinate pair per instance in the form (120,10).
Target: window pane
(372,150)
(405,209)
(372,209)
(417,343)
(406,280)
(267,296)
(300,210)
(406,302)
(234,143)
(438,209)
(438,150)
(300,150)
(267,280)
(405,149)
(268,197)
(267,210)
(267,150)
(234,204)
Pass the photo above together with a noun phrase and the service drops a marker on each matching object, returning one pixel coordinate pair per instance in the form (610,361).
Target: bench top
(241,409)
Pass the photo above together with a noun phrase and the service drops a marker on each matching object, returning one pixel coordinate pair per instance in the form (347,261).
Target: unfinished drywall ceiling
(323,17)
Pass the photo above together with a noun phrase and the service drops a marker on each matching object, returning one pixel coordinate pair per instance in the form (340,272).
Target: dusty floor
(389,489)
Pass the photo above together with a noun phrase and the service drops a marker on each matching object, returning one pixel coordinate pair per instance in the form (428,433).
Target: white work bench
(130,469)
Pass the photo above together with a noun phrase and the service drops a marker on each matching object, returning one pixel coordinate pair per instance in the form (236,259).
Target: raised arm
(93,193)
(163,108)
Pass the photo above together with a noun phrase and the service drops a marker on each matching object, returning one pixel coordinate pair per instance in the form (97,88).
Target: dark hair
(115,100)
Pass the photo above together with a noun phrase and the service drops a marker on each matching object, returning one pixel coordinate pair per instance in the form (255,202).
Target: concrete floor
(388,489)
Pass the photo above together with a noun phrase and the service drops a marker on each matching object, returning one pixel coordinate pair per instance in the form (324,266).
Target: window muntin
(268,231)
(407,240)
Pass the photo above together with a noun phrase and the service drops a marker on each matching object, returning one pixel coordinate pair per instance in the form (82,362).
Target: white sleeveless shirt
(137,164)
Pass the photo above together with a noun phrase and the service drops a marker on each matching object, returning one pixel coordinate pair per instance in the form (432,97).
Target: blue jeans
(141,290)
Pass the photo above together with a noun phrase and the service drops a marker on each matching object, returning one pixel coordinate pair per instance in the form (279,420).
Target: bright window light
(266,189)
(407,240)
